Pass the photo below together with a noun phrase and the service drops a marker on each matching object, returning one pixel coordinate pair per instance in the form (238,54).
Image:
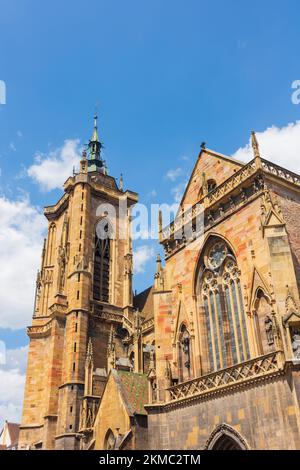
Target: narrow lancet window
(101,269)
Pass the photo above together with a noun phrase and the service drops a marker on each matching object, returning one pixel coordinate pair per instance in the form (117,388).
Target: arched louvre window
(221,296)
(101,269)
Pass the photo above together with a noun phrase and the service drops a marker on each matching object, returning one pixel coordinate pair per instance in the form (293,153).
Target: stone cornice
(99,184)
(211,217)
(226,192)
(147,325)
(52,212)
(42,331)
(31,426)
(250,373)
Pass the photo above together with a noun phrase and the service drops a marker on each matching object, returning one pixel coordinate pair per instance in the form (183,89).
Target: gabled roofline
(214,154)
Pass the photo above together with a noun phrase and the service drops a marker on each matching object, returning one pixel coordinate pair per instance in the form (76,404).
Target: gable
(144,303)
(258,282)
(215,166)
(112,412)
(273,219)
(292,318)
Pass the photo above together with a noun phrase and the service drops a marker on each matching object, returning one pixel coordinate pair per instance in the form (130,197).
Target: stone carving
(128,268)
(269,330)
(81,261)
(62,269)
(168,373)
(88,411)
(38,291)
(230,377)
(186,351)
(296,344)
(290,304)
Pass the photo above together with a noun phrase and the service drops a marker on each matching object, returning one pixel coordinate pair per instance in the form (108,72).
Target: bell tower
(83,287)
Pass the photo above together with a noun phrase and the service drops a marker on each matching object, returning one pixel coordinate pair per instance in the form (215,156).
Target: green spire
(95,137)
(95,162)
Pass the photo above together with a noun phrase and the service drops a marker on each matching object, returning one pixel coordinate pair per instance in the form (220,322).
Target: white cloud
(12,147)
(12,379)
(280,145)
(50,171)
(21,236)
(141,256)
(174,174)
(16,360)
(178,191)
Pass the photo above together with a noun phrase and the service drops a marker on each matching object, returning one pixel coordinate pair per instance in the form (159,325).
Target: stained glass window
(223,305)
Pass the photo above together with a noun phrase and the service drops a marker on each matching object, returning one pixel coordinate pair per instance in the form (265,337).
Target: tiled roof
(144,302)
(13,429)
(134,389)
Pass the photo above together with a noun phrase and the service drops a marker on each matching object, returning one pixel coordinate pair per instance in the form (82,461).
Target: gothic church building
(206,358)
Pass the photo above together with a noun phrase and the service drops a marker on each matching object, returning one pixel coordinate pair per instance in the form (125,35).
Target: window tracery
(221,295)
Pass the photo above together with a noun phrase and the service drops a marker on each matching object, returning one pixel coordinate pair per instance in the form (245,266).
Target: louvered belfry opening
(101,268)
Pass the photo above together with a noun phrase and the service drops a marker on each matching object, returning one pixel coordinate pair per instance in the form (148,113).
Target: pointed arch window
(109,440)
(224,316)
(101,267)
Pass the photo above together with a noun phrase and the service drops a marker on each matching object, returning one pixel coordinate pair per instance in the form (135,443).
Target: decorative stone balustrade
(237,375)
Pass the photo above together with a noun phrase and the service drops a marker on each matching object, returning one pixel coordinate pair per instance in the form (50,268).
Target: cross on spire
(96,163)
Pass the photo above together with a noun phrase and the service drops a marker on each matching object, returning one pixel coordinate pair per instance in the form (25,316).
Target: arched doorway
(224,437)
(226,443)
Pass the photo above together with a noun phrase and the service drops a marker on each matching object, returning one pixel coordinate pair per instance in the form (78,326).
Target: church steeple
(95,162)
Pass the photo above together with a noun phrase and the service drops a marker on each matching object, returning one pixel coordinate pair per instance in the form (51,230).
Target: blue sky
(166,75)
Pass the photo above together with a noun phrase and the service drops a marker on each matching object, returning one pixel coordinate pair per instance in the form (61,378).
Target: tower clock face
(217,254)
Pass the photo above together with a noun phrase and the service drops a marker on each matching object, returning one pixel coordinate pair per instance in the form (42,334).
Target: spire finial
(89,353)
(95,136)
(160,222)
(254,144)
(95,160)
(111,340)
(255,147)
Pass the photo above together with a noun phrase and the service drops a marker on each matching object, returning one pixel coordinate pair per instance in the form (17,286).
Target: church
(208,357)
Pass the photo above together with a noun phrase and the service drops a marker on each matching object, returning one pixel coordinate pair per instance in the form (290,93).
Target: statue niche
(184,354)
(264,323)
(269,329)
(295,338)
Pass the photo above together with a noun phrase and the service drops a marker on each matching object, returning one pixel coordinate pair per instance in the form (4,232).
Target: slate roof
(13,430)
(134,390)
(144,302)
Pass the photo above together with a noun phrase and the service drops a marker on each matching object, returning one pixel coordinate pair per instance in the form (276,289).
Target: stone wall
(266,415)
